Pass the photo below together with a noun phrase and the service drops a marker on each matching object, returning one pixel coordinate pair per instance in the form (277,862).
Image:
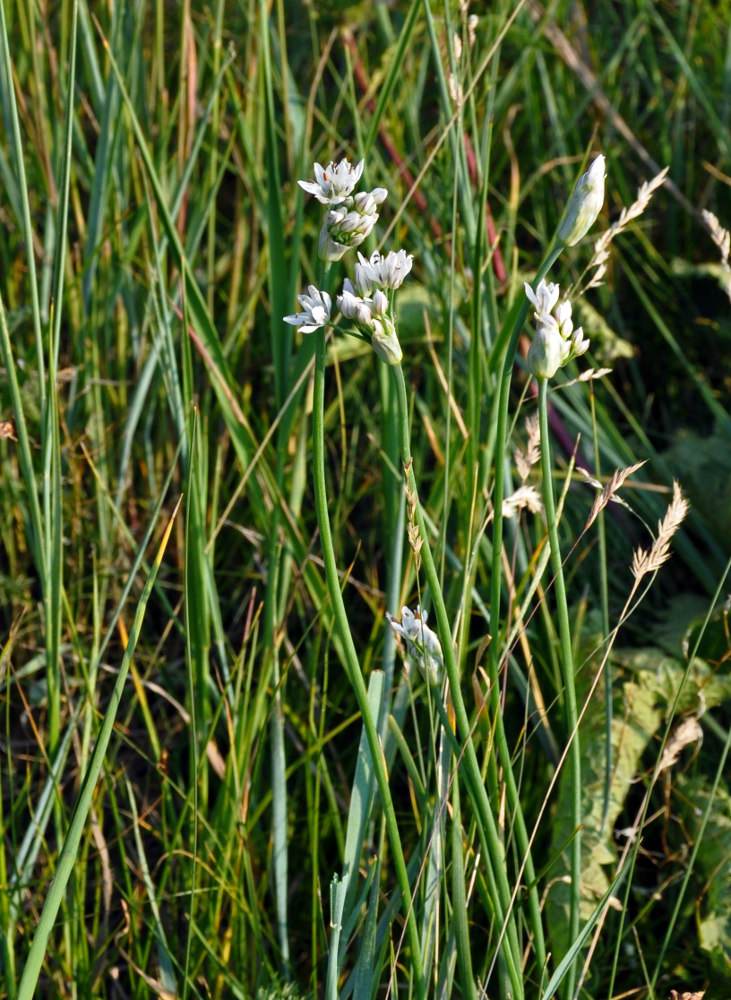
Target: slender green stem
(567,668)
(601,535)
(352,664)
(511,329)
(485,819)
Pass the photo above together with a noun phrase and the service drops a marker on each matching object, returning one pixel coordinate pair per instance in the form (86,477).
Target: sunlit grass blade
(69,851)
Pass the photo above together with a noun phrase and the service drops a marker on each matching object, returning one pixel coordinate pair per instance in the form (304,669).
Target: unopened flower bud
(584,204)
(353,307)
(579,343)
(384,340)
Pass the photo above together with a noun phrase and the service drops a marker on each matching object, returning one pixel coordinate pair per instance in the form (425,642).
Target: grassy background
(153,236)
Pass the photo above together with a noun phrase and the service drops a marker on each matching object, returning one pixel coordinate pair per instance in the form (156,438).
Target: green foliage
(189,819)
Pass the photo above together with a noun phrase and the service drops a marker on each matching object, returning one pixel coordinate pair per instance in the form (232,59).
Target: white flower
(544,298)
(584,205)
(334,182)
(315,313)
(555,341)
(366,202)
(383,272)
(422,645)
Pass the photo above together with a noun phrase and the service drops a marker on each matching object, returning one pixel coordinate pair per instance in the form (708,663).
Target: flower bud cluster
(422,644)
(365,301)
(556,341)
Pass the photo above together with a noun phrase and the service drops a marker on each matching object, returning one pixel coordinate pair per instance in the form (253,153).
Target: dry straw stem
(627,215)
(722,239)
(647,561)
(609,491)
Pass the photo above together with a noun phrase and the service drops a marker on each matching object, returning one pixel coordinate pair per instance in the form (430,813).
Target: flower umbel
(382,272)
(422,645)
(584,205)
(555,341)
(372,317)
(315,313)
(333,183)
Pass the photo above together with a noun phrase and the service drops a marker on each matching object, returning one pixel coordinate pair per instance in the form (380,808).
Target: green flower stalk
(567,673)
(333,186)
(494,858)
(355,674)
(555,343)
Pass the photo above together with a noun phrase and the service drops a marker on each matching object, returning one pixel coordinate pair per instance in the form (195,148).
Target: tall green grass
(219,779)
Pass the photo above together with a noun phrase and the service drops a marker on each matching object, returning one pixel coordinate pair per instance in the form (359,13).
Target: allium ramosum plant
(366,308)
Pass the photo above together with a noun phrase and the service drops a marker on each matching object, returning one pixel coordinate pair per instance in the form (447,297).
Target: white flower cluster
(365,301)
(556,341)
(350,218)
(422,645)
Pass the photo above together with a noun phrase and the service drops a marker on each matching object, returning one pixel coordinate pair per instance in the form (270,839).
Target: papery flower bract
(384,340)
(383,272)
(422,645)
(547,352)
(315,313)
(334,182)
(328,248)
(584,205)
